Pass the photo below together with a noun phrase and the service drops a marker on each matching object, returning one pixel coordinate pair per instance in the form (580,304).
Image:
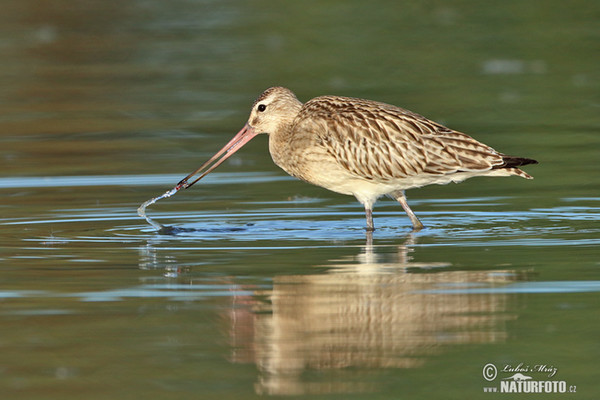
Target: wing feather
(379,141)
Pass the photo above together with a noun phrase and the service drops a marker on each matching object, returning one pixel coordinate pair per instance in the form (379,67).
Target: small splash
(142,210)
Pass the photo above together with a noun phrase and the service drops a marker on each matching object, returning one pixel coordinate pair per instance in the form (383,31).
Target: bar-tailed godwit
(362,148)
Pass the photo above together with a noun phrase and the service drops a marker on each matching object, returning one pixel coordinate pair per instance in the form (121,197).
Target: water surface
(270,286)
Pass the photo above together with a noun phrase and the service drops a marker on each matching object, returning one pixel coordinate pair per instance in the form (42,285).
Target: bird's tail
(511,163)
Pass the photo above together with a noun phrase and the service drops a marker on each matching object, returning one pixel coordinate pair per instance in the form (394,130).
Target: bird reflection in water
(365,313)
(378,309)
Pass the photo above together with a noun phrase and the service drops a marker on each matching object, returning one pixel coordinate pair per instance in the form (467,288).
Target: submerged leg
(401,198)
(369,214)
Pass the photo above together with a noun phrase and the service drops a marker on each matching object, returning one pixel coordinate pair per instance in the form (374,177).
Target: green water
(271,288)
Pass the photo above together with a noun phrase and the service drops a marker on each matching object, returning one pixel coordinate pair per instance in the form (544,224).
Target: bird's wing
(382,142)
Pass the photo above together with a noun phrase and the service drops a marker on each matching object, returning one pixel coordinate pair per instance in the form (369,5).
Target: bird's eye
(262,107)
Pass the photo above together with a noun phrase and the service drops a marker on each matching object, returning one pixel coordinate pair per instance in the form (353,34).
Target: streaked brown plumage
(364,148)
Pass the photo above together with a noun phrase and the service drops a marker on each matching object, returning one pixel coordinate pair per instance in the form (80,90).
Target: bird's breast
(296,155)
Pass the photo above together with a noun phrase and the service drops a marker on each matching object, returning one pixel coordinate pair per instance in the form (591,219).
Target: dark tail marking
(512,162)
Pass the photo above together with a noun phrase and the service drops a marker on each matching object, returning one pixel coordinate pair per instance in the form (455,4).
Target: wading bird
(362,148)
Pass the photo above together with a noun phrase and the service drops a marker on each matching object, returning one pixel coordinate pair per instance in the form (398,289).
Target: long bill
(240,139)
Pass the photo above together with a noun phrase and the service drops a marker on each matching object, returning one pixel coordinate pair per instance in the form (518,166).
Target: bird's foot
(418,227)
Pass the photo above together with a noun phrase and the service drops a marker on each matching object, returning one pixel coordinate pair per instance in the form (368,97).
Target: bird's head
(275,108)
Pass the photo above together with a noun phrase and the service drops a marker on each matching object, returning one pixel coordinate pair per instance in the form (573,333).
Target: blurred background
(273,289)
(118,85)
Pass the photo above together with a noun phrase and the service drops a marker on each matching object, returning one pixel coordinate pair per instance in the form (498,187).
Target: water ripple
(525,287)
(133,180)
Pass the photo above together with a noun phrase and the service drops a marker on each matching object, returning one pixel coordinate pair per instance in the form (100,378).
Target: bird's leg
(401,198)
(369,214)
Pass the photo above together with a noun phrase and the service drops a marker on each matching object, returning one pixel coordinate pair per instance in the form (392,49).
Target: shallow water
(266,285)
